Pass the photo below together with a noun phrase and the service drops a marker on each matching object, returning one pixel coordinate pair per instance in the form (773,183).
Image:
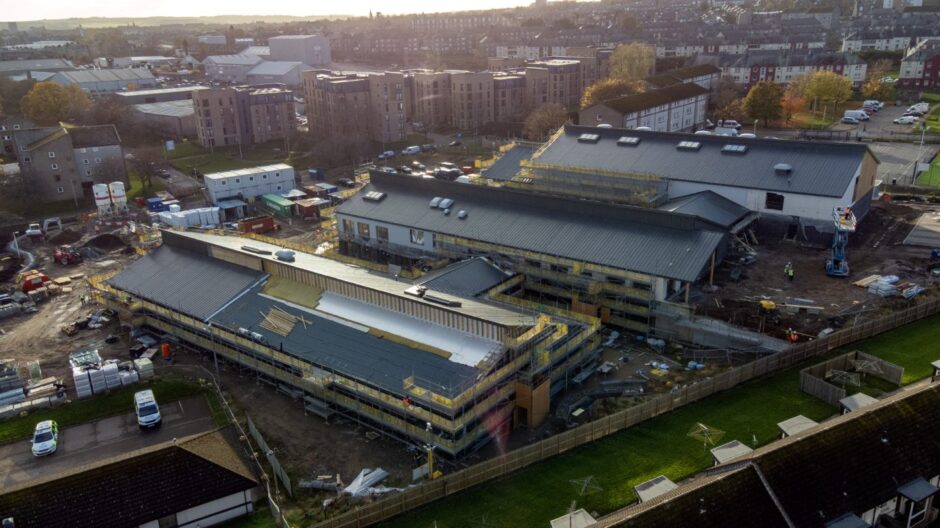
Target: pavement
(93,442)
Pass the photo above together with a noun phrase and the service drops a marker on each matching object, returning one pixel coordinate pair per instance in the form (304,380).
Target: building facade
(390,107)
(243,115)
(229,68)
(509,95)
(921,67)
(781,68)
(312,50)
(557,81)
(249,183)
(338,105)
(472,99)
(677,108)
(432,99)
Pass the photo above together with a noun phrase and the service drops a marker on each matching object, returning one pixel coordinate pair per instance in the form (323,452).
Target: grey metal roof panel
(507,165)
(168,108)
(643,240)
(274,67)
(185,281)
(337,347)
(709,206)
(819,168)
(466,279)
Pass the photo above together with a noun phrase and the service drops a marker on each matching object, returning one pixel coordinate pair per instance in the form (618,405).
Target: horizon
(56,10)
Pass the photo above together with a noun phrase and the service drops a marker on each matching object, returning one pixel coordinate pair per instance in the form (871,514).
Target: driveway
(92,442)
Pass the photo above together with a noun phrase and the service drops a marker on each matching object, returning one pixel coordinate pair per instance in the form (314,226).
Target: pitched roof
(507,165)
(709,206)
(94,136)
(683,74)
(664,244)
(466,279)
(169,108)
(135,488)
(181,280)
(818,168)
(846,465)
(274,67)
(34,64)
(642,101)
(241,59)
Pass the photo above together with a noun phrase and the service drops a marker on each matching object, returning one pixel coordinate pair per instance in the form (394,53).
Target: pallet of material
(864,283)
(62,281)
(77,276)
(280,322)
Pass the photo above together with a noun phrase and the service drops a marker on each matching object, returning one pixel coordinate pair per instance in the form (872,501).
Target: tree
(796,88)
(48,103)
(544,120)
(726,92)
(144,162)
(11,92)
(875,89)
(790,106)
(632,62)
(829,88)
(763,101)
(607,89)
(732,110)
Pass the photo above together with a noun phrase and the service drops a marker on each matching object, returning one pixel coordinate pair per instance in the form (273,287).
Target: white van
(146,408)
(861,115)
(414,149)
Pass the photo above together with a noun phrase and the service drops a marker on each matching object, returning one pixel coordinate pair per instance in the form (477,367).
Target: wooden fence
(813,379)
(393,505)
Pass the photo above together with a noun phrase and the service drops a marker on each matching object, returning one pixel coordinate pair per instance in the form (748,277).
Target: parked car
(45,438)
(729,123)
(417,165)
(860,115)
(905,120)
(405,169)
(390,170)
(414,149)
(747,135)
(455,143)
(147,410)
(850,120)
(702,133)
(388,154)
(913,113)
(709,125)
(874,103)
(428,147)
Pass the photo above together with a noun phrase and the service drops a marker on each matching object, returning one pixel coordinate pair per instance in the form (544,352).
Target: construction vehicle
(33,280)
(35,233)
(844,221)
(67,255)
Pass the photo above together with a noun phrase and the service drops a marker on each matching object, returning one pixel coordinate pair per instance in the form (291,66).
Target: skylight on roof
(589,138)
(689,145)
(628,141)
(734,149)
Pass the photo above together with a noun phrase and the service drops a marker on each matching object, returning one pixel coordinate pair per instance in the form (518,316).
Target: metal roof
(507,165)
(94,136)
(819,168)
(34,64)
(709,206)
(248,171)
(242,60)
(161,91)
(637,239)
(347,349)
(468,278)
(169,108)
(274,68)
(918,489)
(642,101)
(115,74)
(185,281)
(257,51)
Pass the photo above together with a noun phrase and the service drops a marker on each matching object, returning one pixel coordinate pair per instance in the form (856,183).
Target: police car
(45,438)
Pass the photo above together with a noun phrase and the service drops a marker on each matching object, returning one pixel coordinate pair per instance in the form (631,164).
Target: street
(95,441)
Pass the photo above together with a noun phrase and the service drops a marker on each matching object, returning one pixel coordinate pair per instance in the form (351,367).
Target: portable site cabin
(278,205)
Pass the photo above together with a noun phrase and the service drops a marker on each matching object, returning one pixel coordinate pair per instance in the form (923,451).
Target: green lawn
(932,176)
(136,186)
(542,492)
(116,402)
(188,156)
(261,518)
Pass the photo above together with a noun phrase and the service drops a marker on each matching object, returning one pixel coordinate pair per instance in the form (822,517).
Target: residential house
(676,108)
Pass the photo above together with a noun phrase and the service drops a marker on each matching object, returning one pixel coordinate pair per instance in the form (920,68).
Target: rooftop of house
(815,167)
(682,74)
(643,101)
(94,136)
(135,488)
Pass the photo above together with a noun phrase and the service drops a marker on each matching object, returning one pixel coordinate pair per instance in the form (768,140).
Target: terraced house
(416,362)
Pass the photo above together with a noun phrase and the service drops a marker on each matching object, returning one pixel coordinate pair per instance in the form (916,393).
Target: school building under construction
(438,363)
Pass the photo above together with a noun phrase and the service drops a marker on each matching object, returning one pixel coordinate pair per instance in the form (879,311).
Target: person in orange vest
(792,335)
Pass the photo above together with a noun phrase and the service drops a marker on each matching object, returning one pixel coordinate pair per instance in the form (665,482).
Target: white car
(414,149)
(45,438)
(147,410)
(905,120)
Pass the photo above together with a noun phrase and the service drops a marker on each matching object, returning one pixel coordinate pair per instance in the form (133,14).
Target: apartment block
(472,99)
(390,107)
(508,98)
(557,81)
(337,105)
(243,115)
(312,50)
(432,99)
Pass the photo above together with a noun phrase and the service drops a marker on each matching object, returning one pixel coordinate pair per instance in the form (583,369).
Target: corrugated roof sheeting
(466,279)
(819,168)
(185,281)
(708,205)
(641,240)
(507,165)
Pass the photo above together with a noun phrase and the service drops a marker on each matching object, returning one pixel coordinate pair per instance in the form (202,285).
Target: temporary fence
(201,372)
(276,467)
(813,379)
(393,505)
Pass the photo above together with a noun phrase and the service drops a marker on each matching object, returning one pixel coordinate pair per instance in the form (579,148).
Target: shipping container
(257,224)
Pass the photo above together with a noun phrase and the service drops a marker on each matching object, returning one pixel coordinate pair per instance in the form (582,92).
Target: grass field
(261,518)
(188,156)
(116,402)
(931,177)
(542,492)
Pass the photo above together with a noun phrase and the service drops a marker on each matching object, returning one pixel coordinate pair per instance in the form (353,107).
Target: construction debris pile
(24,389)
(890,286)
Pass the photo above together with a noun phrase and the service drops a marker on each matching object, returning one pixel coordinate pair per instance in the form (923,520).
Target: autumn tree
(727,91)
(763,101)
(48,103)
(145,162)
(11,92)
(732,110)
(543,120)
(790,105)
(875,89)
(632,62)
(796,87)
(608,89)
(829,88)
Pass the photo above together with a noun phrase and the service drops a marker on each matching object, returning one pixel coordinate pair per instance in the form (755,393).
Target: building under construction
(603,260)
(423,365)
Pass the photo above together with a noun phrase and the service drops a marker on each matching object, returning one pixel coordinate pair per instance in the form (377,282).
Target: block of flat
(654,487)
(856,401)
(796,425)
(730,451)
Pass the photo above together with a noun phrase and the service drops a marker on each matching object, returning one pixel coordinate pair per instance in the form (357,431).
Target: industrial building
(245,184)
(106,81)
(421,365)
(22,68)
(243,115)
(792,185)
(312,50)
(159,95)
(173,119)
(570,252)
(229,68)
(287,73)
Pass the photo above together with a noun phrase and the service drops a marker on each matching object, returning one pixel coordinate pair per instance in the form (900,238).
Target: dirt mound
(106,242)
(66,236)
(9,266)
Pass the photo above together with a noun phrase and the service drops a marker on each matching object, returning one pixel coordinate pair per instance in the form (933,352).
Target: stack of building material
(129,377)
(201,217)
(279,321)
(82,382)
(85,359)
(884,286)
(97,379)
(12,396)
(9,377)
(112,378)
(144,368)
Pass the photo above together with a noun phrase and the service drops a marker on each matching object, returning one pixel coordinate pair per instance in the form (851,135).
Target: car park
(850,120)
(146,409)
(45,438)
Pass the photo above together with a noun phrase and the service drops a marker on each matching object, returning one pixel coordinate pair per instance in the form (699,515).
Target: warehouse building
(229,68)
(173,119)
(792,185)
(570,252)
(312,50)
(159,95)
(106,81)
(276,72)
(420,365)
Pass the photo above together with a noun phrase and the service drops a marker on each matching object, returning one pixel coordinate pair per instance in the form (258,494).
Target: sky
(52,9)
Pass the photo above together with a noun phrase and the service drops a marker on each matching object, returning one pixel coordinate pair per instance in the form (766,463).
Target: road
(897,160)
(95,441)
